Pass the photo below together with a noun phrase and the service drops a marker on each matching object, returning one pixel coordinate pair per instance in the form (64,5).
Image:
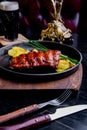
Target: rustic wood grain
(21,38)
(71,82)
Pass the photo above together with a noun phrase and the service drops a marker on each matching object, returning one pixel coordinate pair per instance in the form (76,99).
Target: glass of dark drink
(9,13)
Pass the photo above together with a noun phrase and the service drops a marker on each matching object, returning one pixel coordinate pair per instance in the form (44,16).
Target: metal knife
(60,112)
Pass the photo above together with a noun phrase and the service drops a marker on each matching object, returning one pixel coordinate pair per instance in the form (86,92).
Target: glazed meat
(36,59)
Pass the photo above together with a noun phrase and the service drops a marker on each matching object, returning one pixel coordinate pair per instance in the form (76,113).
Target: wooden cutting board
(71,82)
(21,38)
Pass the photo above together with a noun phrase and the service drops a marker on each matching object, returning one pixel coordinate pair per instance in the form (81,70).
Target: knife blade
(60,112)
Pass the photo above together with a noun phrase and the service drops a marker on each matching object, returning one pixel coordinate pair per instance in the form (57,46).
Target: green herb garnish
(37,45)
(66,57)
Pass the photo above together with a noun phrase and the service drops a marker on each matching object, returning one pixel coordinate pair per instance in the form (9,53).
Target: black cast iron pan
(38,74)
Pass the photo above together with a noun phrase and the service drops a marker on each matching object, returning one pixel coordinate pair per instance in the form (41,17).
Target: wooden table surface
(68,82)
(73,82)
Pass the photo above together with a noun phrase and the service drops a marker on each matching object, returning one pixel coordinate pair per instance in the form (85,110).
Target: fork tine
(62,98)
(57,101)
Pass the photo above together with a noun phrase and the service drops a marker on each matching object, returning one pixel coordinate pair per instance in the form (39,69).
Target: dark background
(12,100)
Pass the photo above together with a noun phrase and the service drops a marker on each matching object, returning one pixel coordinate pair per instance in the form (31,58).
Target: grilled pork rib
(36,59)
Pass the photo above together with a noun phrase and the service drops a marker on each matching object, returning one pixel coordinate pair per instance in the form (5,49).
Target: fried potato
(16,51)
(63,65)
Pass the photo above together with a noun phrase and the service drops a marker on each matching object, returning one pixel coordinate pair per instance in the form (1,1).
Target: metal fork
(55,102)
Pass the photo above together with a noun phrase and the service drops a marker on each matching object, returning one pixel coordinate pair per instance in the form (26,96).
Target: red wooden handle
(18,113)
(28,124)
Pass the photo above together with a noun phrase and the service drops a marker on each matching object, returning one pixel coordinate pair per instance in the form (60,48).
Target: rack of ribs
(36,59)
